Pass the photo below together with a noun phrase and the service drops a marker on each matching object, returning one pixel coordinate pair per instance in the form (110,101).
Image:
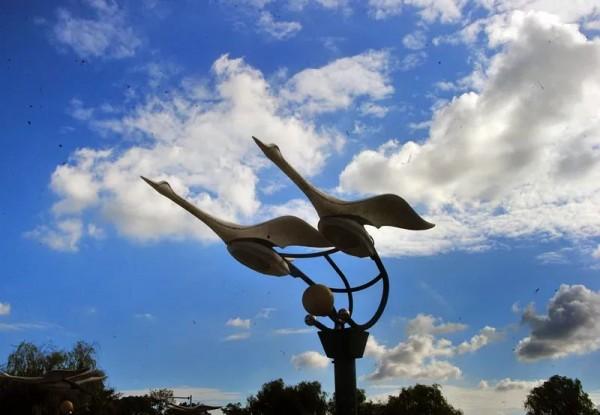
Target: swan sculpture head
(162,187)
(270,150)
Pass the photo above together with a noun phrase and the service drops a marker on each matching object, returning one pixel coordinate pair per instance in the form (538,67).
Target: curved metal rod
(296,272)
(345,281)
(358,288)
(384,295)
(383,275)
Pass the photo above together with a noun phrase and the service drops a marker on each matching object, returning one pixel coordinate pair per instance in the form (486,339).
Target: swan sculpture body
(341,222)
(59,379)
(252,245)
(192,410)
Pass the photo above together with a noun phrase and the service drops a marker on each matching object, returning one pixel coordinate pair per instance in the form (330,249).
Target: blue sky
(482,114)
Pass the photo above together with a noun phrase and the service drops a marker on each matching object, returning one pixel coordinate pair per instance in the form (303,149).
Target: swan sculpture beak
(342,222)
(253,245)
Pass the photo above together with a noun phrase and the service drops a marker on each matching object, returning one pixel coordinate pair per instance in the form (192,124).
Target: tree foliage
(418,400)
(274,398)
(559,395)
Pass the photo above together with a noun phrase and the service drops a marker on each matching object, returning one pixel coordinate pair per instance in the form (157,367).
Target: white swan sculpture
(341,222)
(252,245)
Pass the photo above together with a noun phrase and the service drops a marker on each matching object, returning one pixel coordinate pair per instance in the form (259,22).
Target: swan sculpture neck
(315,195)
(225,230)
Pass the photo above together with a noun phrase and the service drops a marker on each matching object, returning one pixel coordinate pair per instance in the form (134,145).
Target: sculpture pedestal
(344,346)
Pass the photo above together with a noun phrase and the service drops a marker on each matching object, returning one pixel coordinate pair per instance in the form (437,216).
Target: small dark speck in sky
(28,122)
(60,145)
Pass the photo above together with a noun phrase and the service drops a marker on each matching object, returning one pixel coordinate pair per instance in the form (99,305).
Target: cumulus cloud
(336,85)
(278,29)
(4,309)
(175,138)
(571,325)
(107,35)
(484,337)
(567,11)
(310,359)
(428,324)
(422,355)
(238,323)
(429,10)
(516,157)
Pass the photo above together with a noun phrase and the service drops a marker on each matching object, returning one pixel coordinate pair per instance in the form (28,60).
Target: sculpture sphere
(318,300)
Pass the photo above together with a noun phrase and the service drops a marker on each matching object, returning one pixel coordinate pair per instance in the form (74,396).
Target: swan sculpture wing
(382,210)
(282,231)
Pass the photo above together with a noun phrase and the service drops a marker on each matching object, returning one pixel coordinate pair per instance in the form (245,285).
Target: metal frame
(347,289)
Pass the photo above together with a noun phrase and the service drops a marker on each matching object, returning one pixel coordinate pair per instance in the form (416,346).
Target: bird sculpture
(253,245)
(192,410)
(342,222)
(59,379)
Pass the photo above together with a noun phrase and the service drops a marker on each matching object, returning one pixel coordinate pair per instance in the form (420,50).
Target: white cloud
(310,359)
(374,110)
(484,337)
(287,331)
(63,236)
(428,324)
(107,35)
(238,323)
(237,336)
(429,10)
(265,312)
(555,257)
(174,139)
(336,85)
(422,356)
(572,325)
(4,309)
(277,29)
(518,158)
(596,252)
(416,40)
(25,326)
(412,60)
(569,12)
(299,5)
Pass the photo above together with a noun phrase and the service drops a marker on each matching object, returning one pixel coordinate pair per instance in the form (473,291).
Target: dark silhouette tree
(160,399)
(275,398)
(419,400)
(559,395)
(364,407)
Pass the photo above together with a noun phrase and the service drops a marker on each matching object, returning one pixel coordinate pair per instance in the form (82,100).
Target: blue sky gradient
(483,115)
